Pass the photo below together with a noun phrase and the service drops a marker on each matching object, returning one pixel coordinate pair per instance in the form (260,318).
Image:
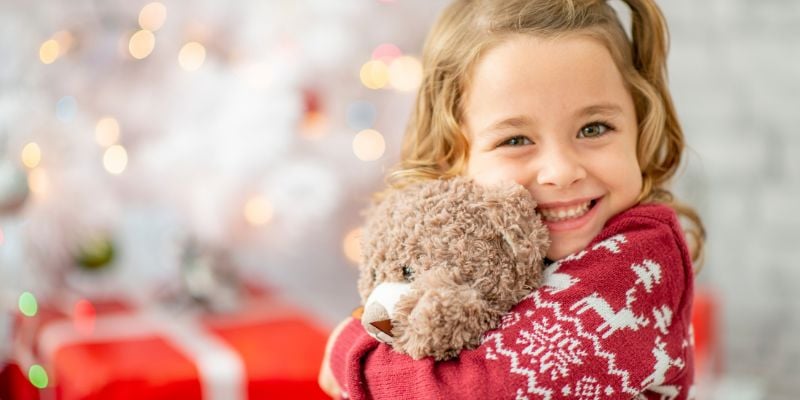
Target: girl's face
(554,115)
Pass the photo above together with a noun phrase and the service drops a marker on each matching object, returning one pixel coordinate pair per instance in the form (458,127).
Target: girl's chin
(559,251)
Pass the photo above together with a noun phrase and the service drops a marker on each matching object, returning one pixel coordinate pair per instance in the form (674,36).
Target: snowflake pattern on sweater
(610,322)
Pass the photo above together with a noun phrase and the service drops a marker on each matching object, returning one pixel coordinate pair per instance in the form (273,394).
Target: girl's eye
(516,141)
(408,273)
(593,130)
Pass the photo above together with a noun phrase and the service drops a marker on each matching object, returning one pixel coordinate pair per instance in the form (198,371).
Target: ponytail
(661,142)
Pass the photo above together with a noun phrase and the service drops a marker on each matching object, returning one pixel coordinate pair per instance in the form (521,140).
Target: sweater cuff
(346,355)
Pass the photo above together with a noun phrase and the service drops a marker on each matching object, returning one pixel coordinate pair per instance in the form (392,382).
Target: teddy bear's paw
(443,321)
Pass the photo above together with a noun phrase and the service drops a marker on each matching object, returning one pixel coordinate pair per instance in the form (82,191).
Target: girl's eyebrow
(601,108)
(518,121)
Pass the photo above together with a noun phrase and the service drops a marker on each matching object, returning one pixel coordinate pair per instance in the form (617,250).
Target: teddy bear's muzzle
(379,310)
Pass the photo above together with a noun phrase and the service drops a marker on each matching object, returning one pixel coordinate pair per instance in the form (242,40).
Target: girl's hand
(326,380)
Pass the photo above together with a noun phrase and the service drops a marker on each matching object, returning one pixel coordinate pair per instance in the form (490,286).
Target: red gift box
(268,349)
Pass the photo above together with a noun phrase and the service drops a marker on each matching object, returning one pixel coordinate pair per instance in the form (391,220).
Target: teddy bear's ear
(511,210)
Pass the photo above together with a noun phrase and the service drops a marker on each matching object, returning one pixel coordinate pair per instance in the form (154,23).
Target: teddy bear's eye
(408,273)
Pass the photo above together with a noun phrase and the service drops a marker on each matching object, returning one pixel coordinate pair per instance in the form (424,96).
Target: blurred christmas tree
(253,128)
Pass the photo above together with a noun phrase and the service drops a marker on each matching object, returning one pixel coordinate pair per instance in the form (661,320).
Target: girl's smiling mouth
(568,215)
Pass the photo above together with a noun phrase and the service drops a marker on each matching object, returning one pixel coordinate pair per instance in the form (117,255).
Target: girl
(553,95)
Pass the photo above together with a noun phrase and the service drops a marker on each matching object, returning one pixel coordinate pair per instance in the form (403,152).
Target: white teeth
(560,214)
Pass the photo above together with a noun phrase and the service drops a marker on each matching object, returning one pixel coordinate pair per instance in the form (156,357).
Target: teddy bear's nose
(377,322)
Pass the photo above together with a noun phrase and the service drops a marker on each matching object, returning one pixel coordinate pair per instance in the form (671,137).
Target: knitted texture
(611,322)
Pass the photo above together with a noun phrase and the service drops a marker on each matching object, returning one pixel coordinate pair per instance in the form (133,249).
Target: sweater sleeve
(610,322)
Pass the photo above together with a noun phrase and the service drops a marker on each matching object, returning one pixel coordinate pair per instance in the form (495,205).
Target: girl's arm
(611,322)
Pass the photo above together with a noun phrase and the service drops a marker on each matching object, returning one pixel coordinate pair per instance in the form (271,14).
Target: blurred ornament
(66,108)
(13,187)
(84,315)
(314,124)
(361,115)
(38,376)
(27,304)
(96,253)
(209,279)
(386,52)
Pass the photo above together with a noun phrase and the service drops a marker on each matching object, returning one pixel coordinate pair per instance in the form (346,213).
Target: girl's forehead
(548,75)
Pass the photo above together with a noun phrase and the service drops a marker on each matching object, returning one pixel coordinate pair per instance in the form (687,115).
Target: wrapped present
(114,350)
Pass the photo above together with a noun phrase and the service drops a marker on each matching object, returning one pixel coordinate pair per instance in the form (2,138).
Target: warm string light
(192,56)
(389,67)
(351,245)
(38,181)
(374,74)
(31,155)
(405,73)
(258,211)
(152,16)
(368,145)
(115,159)
(106,131)
(141,44)
(49,51)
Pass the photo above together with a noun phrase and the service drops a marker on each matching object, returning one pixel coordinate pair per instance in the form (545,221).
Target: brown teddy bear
(444,260)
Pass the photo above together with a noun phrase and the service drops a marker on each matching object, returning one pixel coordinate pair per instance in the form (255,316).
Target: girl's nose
(559,166)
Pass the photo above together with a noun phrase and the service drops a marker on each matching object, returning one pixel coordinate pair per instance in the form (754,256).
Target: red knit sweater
(611,322)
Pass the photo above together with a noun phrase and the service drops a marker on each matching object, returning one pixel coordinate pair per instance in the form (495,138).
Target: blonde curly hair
(435,145)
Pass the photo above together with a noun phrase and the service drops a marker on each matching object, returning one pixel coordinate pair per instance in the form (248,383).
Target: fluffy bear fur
(473,253)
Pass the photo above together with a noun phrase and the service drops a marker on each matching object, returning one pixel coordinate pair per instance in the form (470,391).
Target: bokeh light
(368,145)
(106,132)
(192,56)
(405,73)
(2,236)
(141,44)
(386,52)
(258,211)
(49,51)
(361,115)
(66,108)
(351,245)
(31,155)
(27,304)
(314,125)
(115,159)
(65,40)
(84,316)
(38,181)
(374,74)
(38,376)
(152,16)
